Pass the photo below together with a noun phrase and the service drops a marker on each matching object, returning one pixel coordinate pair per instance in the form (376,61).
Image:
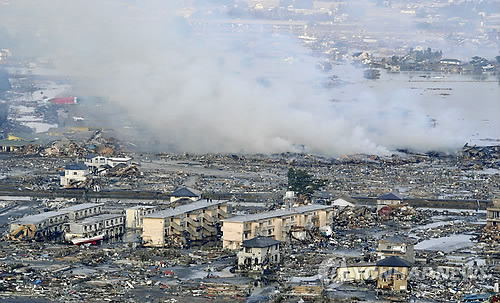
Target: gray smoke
(203,93)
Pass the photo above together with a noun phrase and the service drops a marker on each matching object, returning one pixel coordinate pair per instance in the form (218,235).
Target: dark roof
(90,156)
(76,166)
(260,242)
(390,196)
(393,262)
(183,192)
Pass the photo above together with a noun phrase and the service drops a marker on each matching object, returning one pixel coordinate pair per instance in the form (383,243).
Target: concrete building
(276,224)
(195,221)
(393,274)
(493,214)
(108,225)
(259,254)
(185,193)
(36,227)
(398,246)
(74,173)
(80,211)
(388,200)
(135,215)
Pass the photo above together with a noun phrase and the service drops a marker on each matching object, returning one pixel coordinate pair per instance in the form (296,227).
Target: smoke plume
(214,92)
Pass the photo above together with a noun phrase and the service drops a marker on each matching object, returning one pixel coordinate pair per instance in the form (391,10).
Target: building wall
(73,175)
(153,233)
(493,216)
(110,226)
(394,284)
(356,273)
(135,216)
(233,234)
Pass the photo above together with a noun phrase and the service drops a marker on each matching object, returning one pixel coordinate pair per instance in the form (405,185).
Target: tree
(303,183)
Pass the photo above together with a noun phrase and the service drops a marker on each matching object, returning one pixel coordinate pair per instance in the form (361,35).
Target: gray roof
(39,218)
(76,166)
(279,213)
(260,242)
(81,206)
(390,196)
(393,261)
(183,192)
(179,210)
(91,156)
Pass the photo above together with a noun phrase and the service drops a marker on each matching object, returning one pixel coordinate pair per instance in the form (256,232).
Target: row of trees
(303,183)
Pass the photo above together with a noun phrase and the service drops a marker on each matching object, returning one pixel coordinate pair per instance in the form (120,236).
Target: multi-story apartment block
(107,225)
(276,224)
(189,222)
(80,211)
(43,225)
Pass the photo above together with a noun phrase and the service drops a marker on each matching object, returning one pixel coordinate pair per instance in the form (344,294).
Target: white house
(258,254)
(74,172)
(95,162)
(398,246)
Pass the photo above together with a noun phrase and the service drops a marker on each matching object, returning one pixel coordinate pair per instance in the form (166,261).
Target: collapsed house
(388,199)
(277,224)
(196,221)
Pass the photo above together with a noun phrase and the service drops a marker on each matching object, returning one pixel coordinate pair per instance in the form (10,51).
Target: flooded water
(466,103)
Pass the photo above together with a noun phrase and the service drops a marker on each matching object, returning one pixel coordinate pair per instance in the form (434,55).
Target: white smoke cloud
(204,93)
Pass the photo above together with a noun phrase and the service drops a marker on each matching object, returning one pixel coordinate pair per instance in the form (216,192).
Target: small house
(393,274)
(74,173)
(396,246)
(184,193)
(258,254)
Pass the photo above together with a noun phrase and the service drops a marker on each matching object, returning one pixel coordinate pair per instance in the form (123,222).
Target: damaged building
(277,223)
(196,221)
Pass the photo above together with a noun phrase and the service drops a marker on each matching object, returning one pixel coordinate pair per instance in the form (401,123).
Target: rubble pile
(479,157)
(491,234)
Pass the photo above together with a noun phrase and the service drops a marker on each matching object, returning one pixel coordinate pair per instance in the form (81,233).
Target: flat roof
(35,219)
(172,212)
(98,218)
(81,206)
(142,207)
(278,213)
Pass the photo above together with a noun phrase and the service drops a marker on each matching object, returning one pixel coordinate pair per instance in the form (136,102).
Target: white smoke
(204,93)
